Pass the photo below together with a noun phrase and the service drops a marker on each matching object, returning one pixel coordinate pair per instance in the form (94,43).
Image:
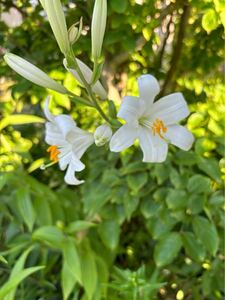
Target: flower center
(54,152)
(159,128)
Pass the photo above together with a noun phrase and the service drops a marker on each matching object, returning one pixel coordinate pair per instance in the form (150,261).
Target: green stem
(71,60)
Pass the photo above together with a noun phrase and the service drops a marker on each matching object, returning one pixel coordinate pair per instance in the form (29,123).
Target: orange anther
(159,128)
(54,152)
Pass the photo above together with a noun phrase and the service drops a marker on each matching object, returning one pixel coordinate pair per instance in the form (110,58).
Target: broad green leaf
(78,226)
(137,181)
(210,20)
(196,203)
(109,232)
(19,119)
(25,206)
(18,267)
(130,205)
(185,158)
(49,234)
(193,247)
(199,184)
(119,6)
(210,166)
(72,259)
(149,207)
(95,197)
(177,199)
(12,283)
(206,233)
(167,249)
(89,270)
(133,167)
(68,280)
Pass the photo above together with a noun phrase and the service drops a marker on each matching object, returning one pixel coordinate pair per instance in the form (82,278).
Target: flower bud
(57,21)
(102,135)
(87,73)
(74,32)
(98,27)
(32,73)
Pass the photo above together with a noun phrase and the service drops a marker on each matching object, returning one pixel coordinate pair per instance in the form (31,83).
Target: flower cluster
(152,124)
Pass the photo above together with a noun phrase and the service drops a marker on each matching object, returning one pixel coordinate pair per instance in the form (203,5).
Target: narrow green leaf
(2,259)
(206,233)
(18,267)
(19,119)
(79,225)
(68,280)
(16,280)
(109,232)
(25,206)
(43,211)
(72,259)
(89,271)
(167,249)
(49,234)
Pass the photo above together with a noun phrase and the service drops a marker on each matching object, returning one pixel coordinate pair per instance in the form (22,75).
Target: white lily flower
(102,134)
(154,124)
(87,73)
(67,144)
(32,73)
(98,27)
(57,21)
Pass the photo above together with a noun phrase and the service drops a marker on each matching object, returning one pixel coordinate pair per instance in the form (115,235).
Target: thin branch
(159,58)
(177,49)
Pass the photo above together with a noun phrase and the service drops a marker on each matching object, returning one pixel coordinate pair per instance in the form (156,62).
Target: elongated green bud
(32,73)
(98,27)
(54,11)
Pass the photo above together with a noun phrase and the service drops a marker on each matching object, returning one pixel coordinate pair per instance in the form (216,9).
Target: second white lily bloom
(67,144)
(153,124)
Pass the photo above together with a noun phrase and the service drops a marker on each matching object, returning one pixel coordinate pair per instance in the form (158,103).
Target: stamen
(54,152)
(43,167)
(159,128)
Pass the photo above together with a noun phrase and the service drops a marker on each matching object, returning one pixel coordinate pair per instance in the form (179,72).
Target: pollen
(159,128)
(54,152)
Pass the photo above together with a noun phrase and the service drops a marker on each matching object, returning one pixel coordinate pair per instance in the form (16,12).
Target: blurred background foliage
(133,230)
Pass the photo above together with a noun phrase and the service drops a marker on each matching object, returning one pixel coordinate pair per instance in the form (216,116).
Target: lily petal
(154,148)
(123,138)
(180,136)
(148,89)
(170,109)
(65,124)
(82,142)
(130,109)
(87,73)
(47,112)
(75,165)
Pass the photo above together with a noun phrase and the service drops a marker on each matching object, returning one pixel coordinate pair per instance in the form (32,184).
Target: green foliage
(132,230)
